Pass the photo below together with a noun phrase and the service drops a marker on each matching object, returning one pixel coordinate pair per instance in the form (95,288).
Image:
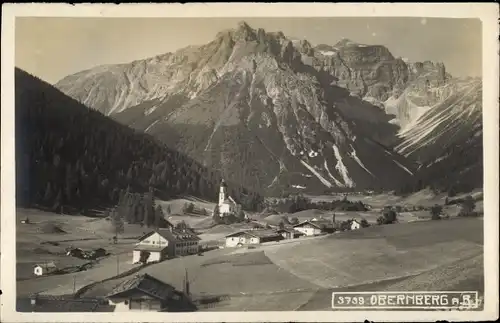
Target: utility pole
(74,284)
(117,264)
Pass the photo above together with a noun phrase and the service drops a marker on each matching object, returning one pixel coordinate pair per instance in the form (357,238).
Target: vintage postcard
(249,162)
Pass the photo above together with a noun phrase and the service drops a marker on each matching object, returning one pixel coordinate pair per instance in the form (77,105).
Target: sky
(52,48)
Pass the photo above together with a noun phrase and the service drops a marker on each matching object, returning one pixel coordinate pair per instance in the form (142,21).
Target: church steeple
(222,192)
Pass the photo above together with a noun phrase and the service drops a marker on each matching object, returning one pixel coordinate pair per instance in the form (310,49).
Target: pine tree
(117,222)
(48,193)
(159,216)
(216,215)
(57,202)
(281,225)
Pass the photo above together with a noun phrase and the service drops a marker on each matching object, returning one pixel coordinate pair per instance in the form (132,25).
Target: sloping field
(242,279)
(465,274)
(301,275)
(380,252)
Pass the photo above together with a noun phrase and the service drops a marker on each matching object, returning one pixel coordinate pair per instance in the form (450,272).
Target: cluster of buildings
(147,293)
(51,267)
(165,243)
(312,227)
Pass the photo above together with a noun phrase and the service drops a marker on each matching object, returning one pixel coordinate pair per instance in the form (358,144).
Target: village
(146,291)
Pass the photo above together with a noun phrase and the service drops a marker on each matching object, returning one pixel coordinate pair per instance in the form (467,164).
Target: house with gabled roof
(355,224)
(146,293)
(45,268)
(250,237)
(160,244)
(313,228)
(289,233)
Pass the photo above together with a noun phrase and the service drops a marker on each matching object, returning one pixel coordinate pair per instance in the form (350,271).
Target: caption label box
(406,300)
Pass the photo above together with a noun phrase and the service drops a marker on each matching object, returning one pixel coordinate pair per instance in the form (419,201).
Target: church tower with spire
(222,193)
(227,205)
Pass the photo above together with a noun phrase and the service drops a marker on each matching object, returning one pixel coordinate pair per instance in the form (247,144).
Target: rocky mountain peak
(306,110)
(344,42)
(244,32)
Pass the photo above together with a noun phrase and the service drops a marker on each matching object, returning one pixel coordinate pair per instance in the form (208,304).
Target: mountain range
(276,114)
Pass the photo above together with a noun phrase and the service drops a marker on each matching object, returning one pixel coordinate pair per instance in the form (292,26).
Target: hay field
(246,280)
(380,252)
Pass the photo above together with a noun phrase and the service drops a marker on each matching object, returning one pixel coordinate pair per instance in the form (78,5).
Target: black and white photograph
(250,164)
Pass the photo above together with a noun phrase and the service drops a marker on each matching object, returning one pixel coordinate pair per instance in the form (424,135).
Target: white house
(144,293)
(308,228)
(355,224)
(251,237)
(160,244)
(227,204)
(44,269)
(290,233)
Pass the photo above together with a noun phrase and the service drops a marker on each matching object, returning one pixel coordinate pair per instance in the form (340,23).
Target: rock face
(270,112)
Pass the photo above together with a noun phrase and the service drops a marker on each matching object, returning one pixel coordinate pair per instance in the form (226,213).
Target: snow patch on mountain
(151,126)
(340,167)
(360,163)
(337,182)
(150,110)
(403,167)
(398,163)
(318,175)
(328,52)
(313,153)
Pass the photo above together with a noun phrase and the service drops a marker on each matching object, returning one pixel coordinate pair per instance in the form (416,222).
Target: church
(227,205)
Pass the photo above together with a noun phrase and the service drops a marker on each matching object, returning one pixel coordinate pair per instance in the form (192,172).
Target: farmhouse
(290,233)
(165,243)
(44,269)
(227,205)
(146,293)
(313,228)
(355,224)
(252,237)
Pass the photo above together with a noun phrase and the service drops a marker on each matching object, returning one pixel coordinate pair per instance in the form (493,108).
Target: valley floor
(289,275)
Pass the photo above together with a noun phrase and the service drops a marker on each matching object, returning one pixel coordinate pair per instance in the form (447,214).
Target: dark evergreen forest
(74,159)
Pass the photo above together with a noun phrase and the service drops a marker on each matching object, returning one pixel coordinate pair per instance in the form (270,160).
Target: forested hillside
(73,157)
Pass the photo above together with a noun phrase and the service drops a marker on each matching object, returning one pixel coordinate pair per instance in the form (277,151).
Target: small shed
(44,269)
(355,224)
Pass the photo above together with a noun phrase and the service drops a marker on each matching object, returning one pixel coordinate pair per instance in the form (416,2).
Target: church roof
(223,183)
(145,284)
(173,235)
(229,200)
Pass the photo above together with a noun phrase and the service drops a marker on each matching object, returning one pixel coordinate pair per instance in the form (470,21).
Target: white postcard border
(488,13)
